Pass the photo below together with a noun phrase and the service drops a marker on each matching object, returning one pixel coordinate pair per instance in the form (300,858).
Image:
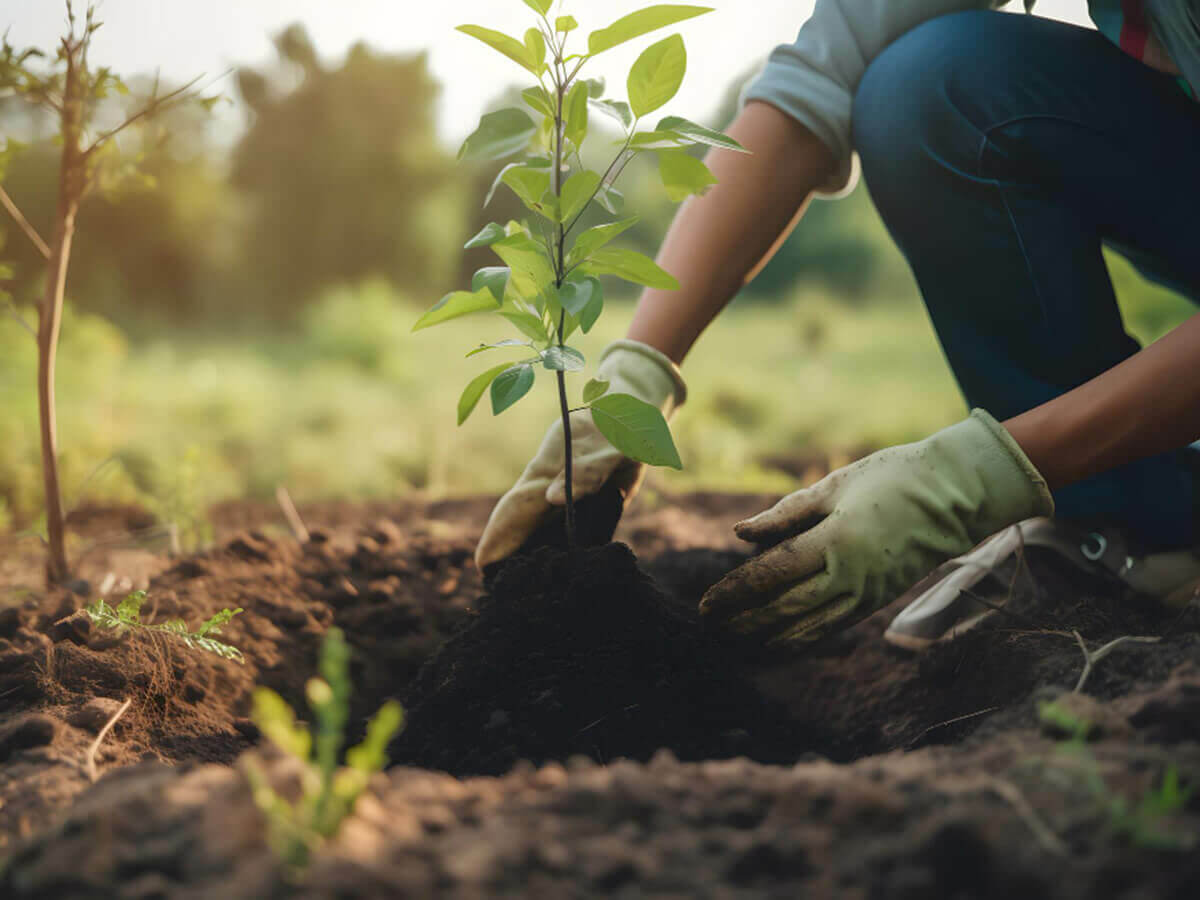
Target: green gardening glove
(858,538)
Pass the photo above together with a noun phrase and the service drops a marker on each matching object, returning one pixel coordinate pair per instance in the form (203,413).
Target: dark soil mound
(591,659)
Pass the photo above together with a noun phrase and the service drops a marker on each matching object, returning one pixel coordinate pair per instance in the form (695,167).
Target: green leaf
(536,45)
(276,720)
(538,100)
(563,359)
(534,162)
(641,22)
(371,756)
(595,389)
(616,109)
(129,609)
(473,391)
(565,24)
(595,238)
(216,622)
(595,87)
(527,323)
(528,183)
(509,46)
(637,429)
(656,76)
(488,236)
(575,295)
(657,140)
(456,305)
(611,199)
(698,134)
(499,345)
(539,6)
(683,175)
(494,278)
(510,386)
(632,266)
(576,194)
(575,114)
(500,134)
(532,274)
(595,306)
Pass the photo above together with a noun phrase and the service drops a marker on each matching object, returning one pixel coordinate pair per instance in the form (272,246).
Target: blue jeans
(1002,152)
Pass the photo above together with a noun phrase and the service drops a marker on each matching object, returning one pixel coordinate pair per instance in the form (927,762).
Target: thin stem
(604,181)
(24,224)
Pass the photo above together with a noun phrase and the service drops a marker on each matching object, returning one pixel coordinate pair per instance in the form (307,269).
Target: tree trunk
(49,323)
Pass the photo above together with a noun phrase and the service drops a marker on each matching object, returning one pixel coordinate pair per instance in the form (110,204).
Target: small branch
(154,106)
(955,720)
(1092,657)
(16,317)
(24,224)
(609,178)
(91,754)
(1008,791)
(290,513)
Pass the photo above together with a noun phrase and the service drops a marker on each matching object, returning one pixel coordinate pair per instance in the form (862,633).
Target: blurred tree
(344,176)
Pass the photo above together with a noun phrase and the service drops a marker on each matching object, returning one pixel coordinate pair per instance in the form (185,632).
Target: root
(1045,835)
(1091,657)
(284,499)
(90,762)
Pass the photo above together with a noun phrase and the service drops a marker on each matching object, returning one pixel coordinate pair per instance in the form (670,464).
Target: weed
(127,615)
(328,792)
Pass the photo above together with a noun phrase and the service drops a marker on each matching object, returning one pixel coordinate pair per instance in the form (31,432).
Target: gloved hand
(858,538)
(631,368)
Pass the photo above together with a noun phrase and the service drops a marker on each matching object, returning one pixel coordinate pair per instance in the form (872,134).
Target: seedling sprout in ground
(549,286)
(126,616)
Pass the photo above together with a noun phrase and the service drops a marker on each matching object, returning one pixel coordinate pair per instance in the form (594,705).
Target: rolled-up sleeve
(814,79)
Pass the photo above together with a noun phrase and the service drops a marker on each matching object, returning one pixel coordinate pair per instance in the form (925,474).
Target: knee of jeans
(906,105)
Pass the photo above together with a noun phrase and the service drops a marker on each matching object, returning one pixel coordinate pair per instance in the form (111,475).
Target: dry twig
(91,754)
(1092,657)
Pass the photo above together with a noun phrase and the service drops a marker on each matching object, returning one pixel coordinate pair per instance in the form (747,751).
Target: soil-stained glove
(630,367)
(858,538)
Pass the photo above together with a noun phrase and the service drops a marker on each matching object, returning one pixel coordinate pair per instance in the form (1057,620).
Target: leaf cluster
(548,287)
(328,790)
(126,615)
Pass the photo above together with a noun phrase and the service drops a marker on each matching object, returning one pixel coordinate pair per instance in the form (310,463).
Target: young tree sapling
(548,288)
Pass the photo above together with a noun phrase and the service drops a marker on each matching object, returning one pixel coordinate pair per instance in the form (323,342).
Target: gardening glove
(630,367)
(855,540)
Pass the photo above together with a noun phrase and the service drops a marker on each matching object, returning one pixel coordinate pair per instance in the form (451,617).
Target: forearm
(1147,405)
(719,240)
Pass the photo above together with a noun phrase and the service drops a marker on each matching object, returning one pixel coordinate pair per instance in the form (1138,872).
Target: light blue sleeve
(814,79)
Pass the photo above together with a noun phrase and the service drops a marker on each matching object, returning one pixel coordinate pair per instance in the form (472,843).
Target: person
(1003,151)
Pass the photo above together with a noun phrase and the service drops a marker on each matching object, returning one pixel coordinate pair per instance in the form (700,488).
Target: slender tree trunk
(49,323)
(560,269)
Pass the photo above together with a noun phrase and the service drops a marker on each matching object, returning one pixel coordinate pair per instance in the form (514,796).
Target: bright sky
(184,38)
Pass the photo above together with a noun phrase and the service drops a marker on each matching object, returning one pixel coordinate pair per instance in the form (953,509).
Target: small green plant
(548,288)
(328,791)
(126,615)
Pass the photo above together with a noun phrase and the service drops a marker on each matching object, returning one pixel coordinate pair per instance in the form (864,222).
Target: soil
(632,751)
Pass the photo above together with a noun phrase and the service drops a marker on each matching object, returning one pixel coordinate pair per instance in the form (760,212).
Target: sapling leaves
(616,109)
(683,175)
(576,193)
(538,101)
(536,45)
(698,134)
(487,236)
(636,428)
(529,184)
(575,295)
(611,199)
(632,266)
(565,24)
(510,386)
(532,273)
(474,390)
(657,140)
(499,134)
(456,305)
(509,46)
(494,278)
(639,23)
(657,75)
(541,7)
(563,359)
(575,114)
(595,238)
(595,389)
(527,323)
(499,345)
(534,162)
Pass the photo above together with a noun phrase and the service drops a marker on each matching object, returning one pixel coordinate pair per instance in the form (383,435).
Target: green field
(355,406)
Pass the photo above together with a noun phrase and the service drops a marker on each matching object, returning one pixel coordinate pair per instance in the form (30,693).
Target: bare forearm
(1147,405)
(718,240)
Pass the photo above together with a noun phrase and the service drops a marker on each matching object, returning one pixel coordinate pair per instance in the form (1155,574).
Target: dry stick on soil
(291,514)
(91,754)
(1008,791)
(1092,657)
(936,725)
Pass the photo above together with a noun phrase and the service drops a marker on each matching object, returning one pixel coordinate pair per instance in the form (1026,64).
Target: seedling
(126,615)
(547,286)
(68,87)
(328,791)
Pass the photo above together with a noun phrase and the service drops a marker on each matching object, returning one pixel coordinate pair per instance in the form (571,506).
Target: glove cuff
(649,369)
(1036,492)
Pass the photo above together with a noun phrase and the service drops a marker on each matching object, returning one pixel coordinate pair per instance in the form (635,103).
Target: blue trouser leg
(1003,151)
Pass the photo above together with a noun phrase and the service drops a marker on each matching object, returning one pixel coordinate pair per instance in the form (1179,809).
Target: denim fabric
(1003,151)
